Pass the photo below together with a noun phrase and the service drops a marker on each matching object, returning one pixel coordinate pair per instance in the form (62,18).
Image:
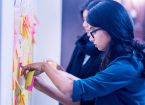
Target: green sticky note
(30,80)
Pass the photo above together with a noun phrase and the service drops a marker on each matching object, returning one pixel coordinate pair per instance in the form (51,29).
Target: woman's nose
(84,24)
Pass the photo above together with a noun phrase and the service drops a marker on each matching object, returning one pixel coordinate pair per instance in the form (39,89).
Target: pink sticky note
(19,64)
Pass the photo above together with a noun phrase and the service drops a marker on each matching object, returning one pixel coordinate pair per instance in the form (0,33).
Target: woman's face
(85,24)
(100,38)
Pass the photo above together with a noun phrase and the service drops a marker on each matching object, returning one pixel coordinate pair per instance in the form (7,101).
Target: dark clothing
(119,84)
(91,67)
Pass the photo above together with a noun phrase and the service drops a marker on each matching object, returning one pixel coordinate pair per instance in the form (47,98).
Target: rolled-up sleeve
(77,91)
(116,76)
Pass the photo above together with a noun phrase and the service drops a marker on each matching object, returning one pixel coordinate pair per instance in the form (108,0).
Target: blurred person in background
(86,58)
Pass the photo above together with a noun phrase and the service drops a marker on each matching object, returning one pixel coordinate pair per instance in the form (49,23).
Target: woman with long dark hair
(121,80)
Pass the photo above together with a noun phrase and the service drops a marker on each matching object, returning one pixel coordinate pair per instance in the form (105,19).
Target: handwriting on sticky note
(30,81)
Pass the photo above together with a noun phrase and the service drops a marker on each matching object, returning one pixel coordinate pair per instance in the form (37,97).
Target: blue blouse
(119,84)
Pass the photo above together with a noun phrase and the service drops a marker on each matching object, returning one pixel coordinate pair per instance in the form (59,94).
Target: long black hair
(112,17)
(87,5)
(84,7)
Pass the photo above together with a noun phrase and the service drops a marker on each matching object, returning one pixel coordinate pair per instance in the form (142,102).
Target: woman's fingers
(26,69)
(37,67)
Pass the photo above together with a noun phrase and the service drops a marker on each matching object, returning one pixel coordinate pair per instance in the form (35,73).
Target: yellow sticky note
(29,80)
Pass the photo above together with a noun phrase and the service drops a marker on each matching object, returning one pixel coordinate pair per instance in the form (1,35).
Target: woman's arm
(62,80)
(52,91)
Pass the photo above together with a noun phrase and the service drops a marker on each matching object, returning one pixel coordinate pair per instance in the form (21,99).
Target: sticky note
(22,81)
(19,69)
(29,81)
(22,102)
(54,65)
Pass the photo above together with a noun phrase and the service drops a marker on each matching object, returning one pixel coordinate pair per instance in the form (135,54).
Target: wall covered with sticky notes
(25,25)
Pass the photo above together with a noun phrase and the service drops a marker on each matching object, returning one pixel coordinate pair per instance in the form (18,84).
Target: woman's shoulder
(128,62)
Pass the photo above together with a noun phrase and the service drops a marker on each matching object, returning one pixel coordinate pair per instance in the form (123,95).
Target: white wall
(48,41)
(0,46)
(6,44)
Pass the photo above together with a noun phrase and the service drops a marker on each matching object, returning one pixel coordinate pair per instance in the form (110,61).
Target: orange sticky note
(22,102)
(54,65)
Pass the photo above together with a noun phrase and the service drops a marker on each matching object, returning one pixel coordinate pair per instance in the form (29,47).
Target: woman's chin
(99,48)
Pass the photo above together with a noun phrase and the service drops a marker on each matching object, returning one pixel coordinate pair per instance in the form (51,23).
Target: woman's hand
(37,67)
